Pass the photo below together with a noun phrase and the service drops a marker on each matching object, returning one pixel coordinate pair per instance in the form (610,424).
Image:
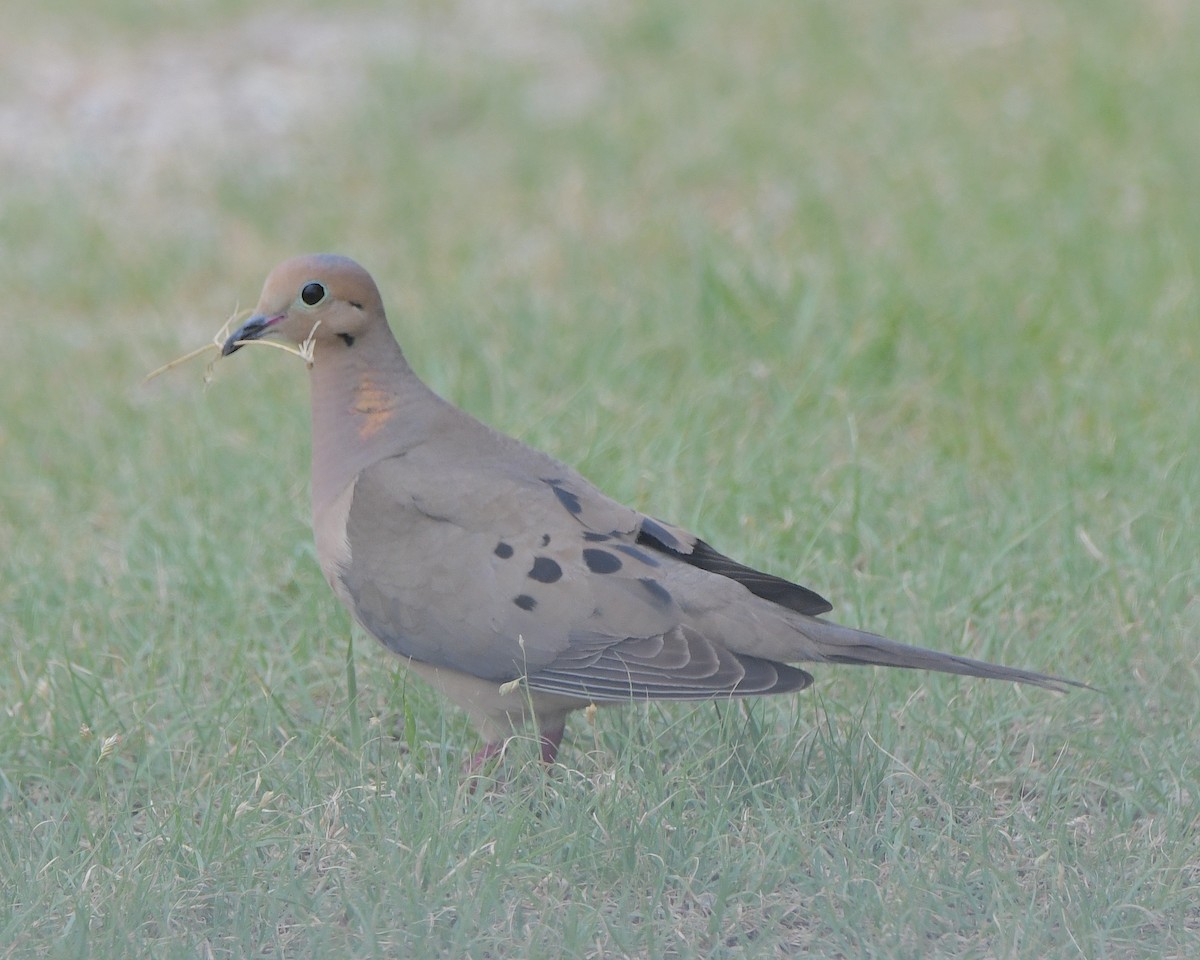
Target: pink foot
(551,741)
(477,762)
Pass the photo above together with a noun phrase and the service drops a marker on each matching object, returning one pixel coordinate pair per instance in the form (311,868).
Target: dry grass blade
(171,365)
(304,351)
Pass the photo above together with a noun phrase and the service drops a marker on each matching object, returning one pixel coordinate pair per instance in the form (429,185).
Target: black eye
(313,293)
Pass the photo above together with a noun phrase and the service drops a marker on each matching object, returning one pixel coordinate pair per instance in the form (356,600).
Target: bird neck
(365,406)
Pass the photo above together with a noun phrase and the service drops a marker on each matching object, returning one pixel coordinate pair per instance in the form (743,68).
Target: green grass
(897,299)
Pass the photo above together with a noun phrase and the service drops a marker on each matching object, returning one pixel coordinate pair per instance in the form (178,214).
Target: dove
(501,576)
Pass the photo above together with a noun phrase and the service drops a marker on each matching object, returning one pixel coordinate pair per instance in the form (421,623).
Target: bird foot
(479,760)
(549,740)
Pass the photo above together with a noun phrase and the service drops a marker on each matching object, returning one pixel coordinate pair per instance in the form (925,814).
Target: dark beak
(252,329)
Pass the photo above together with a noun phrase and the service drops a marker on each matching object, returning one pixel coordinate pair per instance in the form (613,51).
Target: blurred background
(897,299)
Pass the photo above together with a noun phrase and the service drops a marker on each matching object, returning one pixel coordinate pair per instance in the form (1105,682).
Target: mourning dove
(502,576)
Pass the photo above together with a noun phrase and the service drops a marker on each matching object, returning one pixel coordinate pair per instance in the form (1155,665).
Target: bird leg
(551,740)
(480,759)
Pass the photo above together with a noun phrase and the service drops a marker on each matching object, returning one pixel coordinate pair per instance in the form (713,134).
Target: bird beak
(253,329)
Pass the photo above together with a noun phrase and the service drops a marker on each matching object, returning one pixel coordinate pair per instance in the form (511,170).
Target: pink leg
(477,762)
(551,741)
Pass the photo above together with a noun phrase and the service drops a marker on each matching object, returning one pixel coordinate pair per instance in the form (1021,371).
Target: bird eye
(313,293)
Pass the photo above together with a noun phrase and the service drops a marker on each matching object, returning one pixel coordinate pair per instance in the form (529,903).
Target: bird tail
(838,644)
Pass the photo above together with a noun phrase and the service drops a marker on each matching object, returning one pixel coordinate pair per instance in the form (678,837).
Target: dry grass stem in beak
(304,351)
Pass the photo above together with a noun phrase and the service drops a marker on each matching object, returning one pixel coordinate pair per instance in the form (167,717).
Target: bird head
(311,299)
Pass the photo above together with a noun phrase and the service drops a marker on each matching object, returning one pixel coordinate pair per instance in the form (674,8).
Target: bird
(510,583)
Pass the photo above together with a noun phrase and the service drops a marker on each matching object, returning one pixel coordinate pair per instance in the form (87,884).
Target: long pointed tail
(838,644)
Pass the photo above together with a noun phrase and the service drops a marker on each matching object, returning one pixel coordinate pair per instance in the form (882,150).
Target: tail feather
(838,644)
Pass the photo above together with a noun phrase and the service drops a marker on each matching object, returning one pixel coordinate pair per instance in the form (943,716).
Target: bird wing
(507,571)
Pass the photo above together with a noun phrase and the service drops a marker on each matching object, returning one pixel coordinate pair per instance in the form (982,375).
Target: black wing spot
(658,593)
(601,561)
(524,601)
(593,537)
(545,539)
(545,570)
(637,554)
(503,550)
(566,498)
(769,587)
(347,339)
(765,585)
(658,535)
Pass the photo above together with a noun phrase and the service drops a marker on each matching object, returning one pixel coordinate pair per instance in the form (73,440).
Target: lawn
(896,299)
